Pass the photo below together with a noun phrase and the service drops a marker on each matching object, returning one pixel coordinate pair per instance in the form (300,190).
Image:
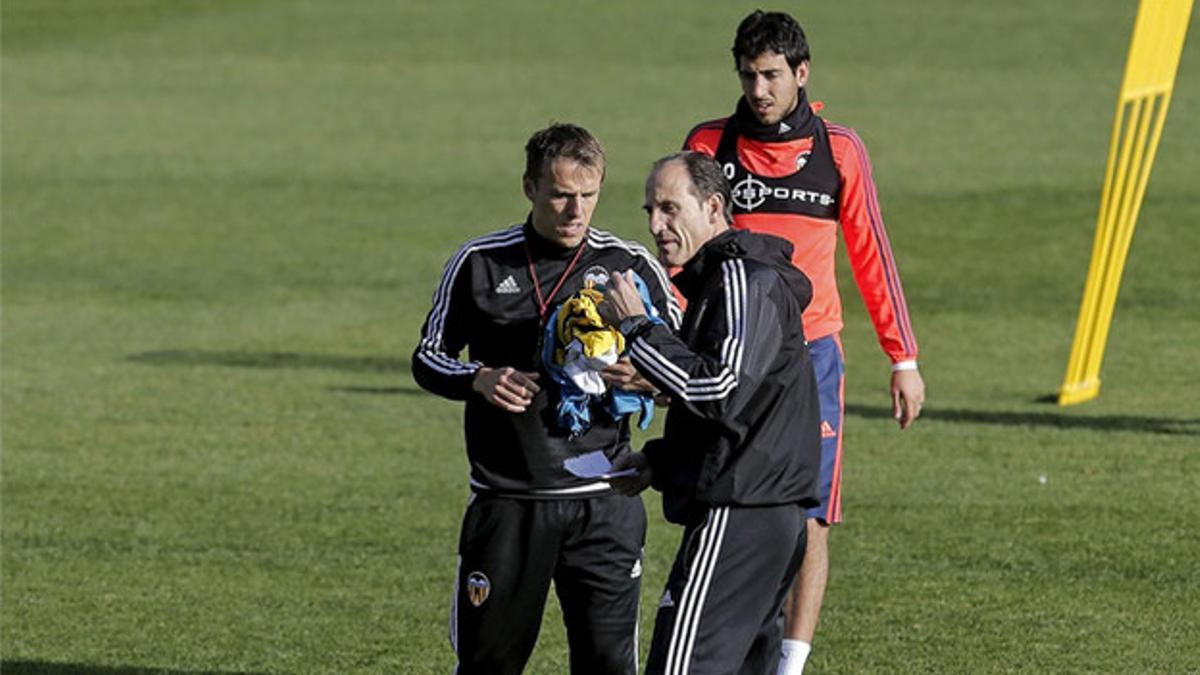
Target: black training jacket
(743,426)
(486,303)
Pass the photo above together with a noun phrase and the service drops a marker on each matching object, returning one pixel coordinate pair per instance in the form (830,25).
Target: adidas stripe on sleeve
(436,363)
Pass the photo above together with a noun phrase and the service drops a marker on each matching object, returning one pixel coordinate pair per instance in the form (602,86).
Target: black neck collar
(689,279)
(541,248)
(800,123)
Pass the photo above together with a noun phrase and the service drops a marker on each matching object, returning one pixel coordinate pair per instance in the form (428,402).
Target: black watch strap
(633,326)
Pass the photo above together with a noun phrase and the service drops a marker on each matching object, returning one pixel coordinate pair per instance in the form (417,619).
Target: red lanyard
(544,302)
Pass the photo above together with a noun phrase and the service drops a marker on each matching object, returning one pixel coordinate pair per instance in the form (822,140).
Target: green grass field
(223,221)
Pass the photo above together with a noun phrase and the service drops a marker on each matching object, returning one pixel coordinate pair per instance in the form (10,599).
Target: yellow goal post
(1154,51)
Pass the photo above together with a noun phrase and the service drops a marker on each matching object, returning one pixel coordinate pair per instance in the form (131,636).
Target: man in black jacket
(531,519)
(739,456)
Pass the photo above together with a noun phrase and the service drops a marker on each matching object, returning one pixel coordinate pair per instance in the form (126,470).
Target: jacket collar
(766,249)
(690,278)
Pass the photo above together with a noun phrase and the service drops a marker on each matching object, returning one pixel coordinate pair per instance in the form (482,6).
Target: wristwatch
(632,326)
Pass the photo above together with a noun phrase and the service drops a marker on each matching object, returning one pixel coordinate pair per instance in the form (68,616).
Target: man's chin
(571,237)
(765,117)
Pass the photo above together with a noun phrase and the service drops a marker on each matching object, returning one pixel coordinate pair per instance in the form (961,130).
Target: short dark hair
(562,141)
(706,177)
(777,32)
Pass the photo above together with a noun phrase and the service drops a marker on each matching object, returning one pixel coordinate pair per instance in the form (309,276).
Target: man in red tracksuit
(799,177)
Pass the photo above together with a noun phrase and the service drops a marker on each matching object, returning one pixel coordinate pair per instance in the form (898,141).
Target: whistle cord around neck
(544,301)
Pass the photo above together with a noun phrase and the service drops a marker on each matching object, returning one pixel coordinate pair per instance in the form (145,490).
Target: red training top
(815,239)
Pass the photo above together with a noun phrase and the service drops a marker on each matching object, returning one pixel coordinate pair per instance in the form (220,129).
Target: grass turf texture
(222,223)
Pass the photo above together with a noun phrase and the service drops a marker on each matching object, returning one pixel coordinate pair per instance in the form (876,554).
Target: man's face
(563,199)
(679,222)
(771,87)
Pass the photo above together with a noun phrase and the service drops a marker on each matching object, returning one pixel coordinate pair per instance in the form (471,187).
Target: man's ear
(715,210)
(529,187)
(802,71)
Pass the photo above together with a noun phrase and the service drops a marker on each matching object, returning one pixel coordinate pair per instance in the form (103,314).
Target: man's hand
(622,375)
(506,388)
(622,293)
(908,395)
(631,485)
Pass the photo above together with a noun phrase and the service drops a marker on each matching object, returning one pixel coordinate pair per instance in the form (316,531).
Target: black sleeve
(737,340)
(435,363)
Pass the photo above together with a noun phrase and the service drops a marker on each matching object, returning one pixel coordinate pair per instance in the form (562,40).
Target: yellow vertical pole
(1158,35)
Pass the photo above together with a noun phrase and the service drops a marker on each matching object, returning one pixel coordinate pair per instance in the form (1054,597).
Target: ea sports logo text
(750,193)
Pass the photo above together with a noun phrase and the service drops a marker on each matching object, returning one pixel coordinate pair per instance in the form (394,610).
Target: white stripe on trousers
(454,613)
(691,601)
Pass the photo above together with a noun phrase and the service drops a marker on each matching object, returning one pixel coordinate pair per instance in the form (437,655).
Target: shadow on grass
(1132,423)
(268,360)
(382,391)
(12,667)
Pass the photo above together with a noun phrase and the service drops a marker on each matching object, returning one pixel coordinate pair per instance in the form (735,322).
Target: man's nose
(760,87)
(656,222)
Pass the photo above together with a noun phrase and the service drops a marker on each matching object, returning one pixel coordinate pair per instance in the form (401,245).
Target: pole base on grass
(1079,393)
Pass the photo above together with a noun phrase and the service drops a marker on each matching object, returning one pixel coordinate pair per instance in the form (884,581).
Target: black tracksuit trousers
(510,550)
(722,609)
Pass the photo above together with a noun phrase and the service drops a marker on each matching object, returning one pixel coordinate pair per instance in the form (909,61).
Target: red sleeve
(871,257)
(705,137)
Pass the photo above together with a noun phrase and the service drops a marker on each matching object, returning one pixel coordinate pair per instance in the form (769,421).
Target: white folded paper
(594,465)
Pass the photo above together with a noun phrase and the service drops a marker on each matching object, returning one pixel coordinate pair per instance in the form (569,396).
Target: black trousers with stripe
(509,552)
(722,609)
